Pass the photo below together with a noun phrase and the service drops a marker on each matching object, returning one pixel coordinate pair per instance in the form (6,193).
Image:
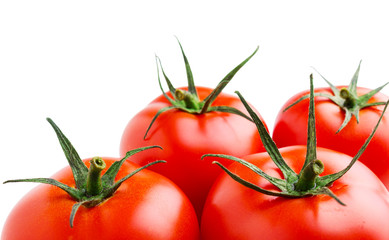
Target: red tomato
(185,137)
(146,206)
(233,211)
(290,128)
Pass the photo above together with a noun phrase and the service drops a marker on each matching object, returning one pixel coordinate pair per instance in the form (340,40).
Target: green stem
(94,184)
(190,100)
(349,99)
(308,175)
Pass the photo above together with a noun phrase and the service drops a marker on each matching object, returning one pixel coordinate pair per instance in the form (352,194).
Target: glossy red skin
(233,211)
(290,128)
(186,137)
(146,206)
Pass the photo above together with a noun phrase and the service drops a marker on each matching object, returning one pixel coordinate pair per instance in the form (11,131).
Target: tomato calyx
(293,185)
(347,98)
(188,100)
(90,188)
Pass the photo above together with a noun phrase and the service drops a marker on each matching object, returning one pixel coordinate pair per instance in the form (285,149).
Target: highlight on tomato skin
(188,122)
(102,198)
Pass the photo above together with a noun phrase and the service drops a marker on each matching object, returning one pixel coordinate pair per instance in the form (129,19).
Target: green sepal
(331,97)
(350,102)
(74,193)
(249,184)
(328,192)
(223,83)
(172,89)
(311,135)
(74,211)
(80,171)
(162,110)
(191,85)
(228,109)
(117,184)
(269,144)
(308,182)
(188,101)
(279,183)
(109,176)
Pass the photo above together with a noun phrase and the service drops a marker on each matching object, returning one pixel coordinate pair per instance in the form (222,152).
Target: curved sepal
(228,109)
(328,192)
(279,183)
(249,184)
(219,88)
(331,97)
(74,193)
(119,182)
(366,97)
(162,110)
(170,85)
(74,211)
(109,176)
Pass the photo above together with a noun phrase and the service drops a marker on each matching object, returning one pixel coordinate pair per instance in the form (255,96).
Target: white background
(90,65)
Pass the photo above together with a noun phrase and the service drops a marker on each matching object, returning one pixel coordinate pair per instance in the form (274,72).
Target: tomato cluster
(324,174)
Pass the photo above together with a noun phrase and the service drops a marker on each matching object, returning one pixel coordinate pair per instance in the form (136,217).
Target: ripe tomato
(290,128)
(185,137)
(233,211)
(102,199)
(147,206)
(187,123)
